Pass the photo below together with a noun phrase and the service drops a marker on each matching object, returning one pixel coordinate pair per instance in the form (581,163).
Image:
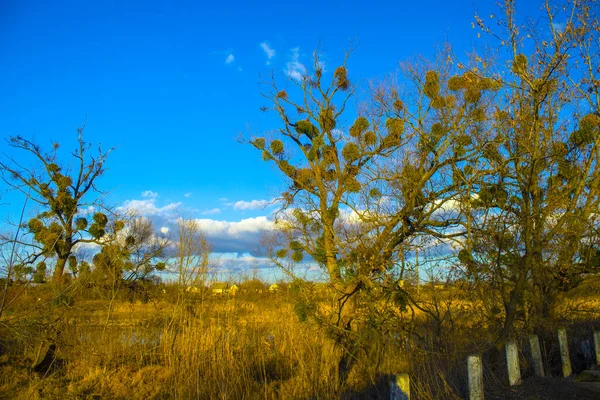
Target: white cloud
(250,205)
(246,259)
(212,212)
(187,195)
(149,193)
(559,27)
(230,58)
(148,207)
(350,216)
(233,266)
(90,248)
(235,229)
(269,51)
(294,68)
(89,210)
(242,236)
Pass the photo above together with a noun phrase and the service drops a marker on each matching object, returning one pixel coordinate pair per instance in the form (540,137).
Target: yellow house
(192,289)
(224,288)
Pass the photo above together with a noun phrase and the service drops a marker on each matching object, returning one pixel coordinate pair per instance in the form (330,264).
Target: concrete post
(564,352)
(536,355)
(400,387)
(475,370)
(597,346)
(512,363)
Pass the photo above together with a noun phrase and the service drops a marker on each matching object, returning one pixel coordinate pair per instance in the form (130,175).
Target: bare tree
(192,257)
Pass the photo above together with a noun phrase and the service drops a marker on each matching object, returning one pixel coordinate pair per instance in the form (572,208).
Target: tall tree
(323,163)
(63,193)
(358,196)
(539,180)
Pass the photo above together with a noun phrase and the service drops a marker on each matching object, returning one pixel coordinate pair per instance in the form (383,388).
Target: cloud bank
(241,236)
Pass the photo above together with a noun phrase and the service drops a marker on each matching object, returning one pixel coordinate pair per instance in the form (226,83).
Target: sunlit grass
(243,347)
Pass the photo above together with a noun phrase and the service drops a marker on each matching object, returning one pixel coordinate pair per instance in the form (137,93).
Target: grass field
(173,344)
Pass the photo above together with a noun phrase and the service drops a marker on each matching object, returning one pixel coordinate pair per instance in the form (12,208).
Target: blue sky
(172,85)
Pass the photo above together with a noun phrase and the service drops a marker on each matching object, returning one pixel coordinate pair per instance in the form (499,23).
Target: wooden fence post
(475,369)
(536,355)
(512,363)
(400,387)
(564,352)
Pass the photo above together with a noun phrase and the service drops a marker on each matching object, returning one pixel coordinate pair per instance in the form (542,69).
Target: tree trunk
(545,300)
(348,333)
(59,270)
(511,308)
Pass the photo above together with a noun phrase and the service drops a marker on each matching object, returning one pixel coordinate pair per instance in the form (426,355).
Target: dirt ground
(550,389)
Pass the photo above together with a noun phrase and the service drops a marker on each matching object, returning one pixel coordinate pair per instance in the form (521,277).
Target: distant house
(219,288)
(224,288)
(192,289)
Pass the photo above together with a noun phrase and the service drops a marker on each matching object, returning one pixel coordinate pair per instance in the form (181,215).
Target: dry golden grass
(218,348)
(251,347)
